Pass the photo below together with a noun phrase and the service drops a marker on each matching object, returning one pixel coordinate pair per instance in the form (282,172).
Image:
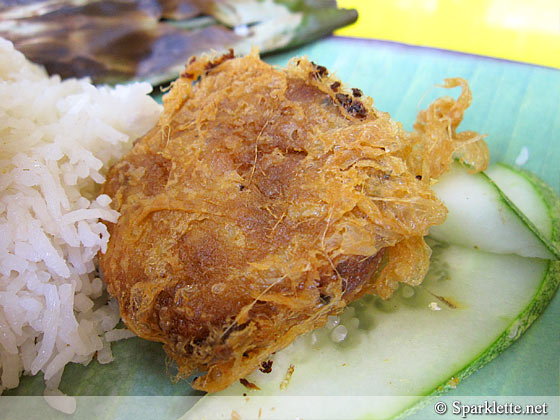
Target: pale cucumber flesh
(404,347)
(520,190)
(537,200)
(481,217)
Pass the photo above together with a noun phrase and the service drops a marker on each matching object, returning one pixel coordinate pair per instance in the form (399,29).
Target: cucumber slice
(482,217)
(470,307)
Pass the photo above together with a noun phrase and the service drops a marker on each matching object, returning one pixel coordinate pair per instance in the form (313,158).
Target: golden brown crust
(265,200)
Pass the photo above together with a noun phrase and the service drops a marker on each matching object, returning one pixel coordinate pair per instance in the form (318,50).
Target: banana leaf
(115,41)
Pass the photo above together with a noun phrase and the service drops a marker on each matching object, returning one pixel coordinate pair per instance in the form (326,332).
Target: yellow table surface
(519,30)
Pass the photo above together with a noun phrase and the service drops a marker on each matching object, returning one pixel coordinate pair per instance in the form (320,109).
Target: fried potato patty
(264,201)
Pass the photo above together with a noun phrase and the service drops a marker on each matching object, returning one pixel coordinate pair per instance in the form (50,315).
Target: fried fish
(265,200)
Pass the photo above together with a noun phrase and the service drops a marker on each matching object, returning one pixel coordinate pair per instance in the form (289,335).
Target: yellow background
(520,30)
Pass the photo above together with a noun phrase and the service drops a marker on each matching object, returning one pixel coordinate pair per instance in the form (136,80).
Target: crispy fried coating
(264,201)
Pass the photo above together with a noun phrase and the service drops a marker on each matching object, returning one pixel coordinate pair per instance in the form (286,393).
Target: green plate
(517,105)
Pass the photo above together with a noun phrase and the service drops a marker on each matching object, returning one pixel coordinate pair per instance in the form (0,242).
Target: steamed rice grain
(56,140)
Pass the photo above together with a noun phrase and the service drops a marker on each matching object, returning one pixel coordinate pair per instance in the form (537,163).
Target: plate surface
(516,105)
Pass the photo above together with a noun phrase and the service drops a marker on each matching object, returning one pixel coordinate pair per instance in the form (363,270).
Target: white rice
(56,141)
